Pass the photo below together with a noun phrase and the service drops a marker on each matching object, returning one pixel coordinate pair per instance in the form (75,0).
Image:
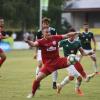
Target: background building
(78,12)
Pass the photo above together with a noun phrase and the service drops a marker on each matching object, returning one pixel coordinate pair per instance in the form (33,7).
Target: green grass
(18,72)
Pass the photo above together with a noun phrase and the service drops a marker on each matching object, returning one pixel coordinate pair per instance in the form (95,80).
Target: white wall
(20,45)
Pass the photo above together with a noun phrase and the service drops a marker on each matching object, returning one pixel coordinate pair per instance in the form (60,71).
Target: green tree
(54,12)
(25,13)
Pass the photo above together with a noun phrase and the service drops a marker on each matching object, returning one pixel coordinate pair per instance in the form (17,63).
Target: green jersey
(85,39)
(70,47)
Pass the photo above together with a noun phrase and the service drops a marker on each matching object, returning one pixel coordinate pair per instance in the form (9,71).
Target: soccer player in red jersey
(50,55)
(2,54)
(39,35)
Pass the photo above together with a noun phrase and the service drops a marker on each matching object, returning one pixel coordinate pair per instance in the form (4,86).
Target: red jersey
(49,48)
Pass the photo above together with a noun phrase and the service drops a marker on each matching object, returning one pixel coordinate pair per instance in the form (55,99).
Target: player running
(86,38)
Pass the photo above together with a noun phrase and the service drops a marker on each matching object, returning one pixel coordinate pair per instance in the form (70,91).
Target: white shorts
(87,51)
(39,57)
(72,71)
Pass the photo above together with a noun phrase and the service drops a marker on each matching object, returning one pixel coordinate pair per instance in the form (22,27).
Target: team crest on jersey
(54,43)
(72,51)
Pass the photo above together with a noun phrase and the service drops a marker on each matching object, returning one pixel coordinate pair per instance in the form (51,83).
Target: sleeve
(79,44)
(58,37)
(61,43)
(92,35)
(80,35)
(39,42)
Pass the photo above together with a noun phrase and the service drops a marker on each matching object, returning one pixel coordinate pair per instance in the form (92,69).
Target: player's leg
(39,60)
(54,79)
(36,83)
(77,86)
(80,69)
(2,57)
(65,81)
(41,75)
(38,67)
(93,57)
(58,64)
(72,70)
(72,73)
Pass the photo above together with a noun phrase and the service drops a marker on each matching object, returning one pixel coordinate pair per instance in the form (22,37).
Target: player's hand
(26,39)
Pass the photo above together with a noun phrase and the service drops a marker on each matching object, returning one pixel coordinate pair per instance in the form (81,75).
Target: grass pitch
(18,72)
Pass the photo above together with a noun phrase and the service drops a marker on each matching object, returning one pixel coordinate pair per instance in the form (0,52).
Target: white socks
(77,84)
(37,70)
(65,81)
(95,66)
(54,76)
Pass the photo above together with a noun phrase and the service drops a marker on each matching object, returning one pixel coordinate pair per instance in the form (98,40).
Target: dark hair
(45,19)
(71,30)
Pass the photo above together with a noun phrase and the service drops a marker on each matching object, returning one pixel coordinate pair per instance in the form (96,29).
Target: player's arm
(3,37)
(94,42)
(68,35)
(31,43)
(83,52)
(36,48)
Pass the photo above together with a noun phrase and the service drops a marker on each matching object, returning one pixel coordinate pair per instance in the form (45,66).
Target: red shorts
(80,69)
(1,51)
(54,64)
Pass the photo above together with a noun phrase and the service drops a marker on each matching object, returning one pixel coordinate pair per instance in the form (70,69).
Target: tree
(25,13)
(54,12)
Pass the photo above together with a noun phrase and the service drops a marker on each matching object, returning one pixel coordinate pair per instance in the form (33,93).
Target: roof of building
(82,5)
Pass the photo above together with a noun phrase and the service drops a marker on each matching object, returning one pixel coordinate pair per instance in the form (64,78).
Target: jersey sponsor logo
(51,48)
(72,51)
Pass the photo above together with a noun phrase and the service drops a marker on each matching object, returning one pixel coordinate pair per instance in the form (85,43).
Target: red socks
(35,86)
(2,60)
(80,69)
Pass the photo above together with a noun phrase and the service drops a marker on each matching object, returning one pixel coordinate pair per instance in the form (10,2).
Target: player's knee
(40,65)
(79,78)
(93,58)
(38,78)
(3,57)
(71,78)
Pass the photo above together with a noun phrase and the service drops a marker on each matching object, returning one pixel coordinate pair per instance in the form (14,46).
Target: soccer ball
(72,59)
